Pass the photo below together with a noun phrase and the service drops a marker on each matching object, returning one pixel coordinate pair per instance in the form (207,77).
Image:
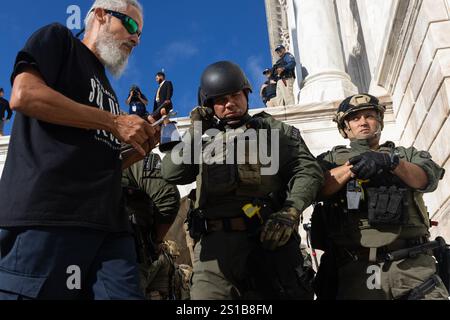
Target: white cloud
(174,52)
(255,69)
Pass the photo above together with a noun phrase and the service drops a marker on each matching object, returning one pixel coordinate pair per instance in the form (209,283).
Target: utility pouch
(386,206)
(318,230)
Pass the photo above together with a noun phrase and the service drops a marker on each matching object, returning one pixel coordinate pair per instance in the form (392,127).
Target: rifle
(413,252)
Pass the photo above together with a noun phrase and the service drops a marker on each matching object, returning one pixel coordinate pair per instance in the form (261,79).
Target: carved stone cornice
(277,21)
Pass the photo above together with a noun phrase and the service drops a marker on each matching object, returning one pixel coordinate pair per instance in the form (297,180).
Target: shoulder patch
(152,162)
(295,134)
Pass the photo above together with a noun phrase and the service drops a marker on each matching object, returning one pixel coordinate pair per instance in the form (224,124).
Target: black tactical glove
(205,116)
(371,163)
(279,228)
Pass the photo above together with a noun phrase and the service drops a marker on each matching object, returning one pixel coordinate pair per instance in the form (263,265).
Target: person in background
(137,102)
(268,90)
(5,111)
(165,92)
(285,70)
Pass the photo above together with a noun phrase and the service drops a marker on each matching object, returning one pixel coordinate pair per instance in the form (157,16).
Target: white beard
(111,54)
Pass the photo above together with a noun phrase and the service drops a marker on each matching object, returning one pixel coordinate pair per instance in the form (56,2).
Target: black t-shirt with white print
(56,175)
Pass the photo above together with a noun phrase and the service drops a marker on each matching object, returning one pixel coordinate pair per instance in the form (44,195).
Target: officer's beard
(110,53)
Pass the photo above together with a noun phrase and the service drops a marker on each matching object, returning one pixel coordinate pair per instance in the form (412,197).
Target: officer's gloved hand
(204,115)
(279,228)
(371,163)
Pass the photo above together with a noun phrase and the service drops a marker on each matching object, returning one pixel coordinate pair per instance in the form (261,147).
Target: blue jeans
(63,263)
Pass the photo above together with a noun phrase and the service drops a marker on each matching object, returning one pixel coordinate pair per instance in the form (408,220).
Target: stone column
(4,141)
(321,52)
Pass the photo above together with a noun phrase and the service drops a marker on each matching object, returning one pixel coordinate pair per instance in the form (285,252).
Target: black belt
(227,224)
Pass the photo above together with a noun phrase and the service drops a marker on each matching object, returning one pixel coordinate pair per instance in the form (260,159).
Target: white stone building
(398,50)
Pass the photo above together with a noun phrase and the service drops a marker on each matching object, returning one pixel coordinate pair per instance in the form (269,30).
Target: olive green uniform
(352,244)
(159,204)
(225,261)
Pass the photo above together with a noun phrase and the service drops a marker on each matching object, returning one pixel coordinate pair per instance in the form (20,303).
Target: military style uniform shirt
(223,189)
(351,227)
(146,176)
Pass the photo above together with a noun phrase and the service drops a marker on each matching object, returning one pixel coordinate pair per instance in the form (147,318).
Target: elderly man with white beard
(62,232)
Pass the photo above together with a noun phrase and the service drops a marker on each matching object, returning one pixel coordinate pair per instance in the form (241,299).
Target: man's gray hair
(115,5)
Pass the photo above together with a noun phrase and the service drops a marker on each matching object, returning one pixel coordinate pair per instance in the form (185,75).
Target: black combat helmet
(221,78)
(356,103)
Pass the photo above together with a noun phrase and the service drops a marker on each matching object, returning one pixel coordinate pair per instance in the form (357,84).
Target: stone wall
(420,89)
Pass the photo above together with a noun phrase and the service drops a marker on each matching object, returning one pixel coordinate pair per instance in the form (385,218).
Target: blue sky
(180,36)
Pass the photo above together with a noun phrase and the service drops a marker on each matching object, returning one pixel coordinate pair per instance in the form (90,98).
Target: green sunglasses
(129,23)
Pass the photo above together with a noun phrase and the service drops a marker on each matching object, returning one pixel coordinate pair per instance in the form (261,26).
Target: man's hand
(135,131)
(371,163)
(280,71)
(130,156)
(279,228)
(205,115)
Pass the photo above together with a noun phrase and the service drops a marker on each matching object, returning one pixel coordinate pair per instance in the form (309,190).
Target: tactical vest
(351,227)
(223,189)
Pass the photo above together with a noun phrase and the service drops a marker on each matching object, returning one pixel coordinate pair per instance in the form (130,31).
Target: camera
(135,92)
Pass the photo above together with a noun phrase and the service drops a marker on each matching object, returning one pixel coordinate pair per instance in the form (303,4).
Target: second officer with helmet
(246,222)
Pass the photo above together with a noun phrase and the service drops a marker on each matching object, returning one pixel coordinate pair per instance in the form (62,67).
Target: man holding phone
(63,234)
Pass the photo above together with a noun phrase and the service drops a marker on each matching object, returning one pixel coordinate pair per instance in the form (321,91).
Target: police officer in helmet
(373,207)
(246,222)
(224,90)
